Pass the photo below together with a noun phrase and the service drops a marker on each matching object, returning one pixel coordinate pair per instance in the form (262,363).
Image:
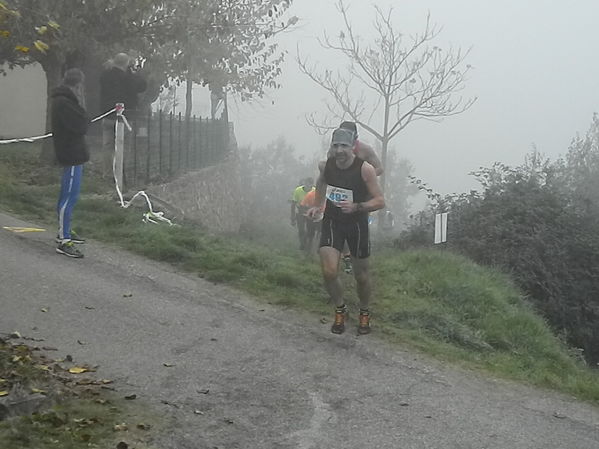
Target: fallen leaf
(323,320)
(106,381)
(3,393)
(559,415)
(131,397)
(169,403)
(2,380)
(15,334)
(143,426)
(33,339)
(43,367)
(81,342)
(78,370)
(169,365)
(44,309)
(120,428)
(204,391)
(198,412)
(16,358)
(38,391)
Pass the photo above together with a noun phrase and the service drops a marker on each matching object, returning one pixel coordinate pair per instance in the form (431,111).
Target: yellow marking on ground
(19,229)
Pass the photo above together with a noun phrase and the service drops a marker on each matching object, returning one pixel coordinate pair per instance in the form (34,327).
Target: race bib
(338,194)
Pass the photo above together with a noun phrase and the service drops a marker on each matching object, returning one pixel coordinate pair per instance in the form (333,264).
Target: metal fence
(163,146)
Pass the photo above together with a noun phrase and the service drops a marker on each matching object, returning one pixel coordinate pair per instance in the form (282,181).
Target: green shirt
(299,193)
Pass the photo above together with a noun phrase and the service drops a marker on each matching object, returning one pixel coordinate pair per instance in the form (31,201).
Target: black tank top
(339,181)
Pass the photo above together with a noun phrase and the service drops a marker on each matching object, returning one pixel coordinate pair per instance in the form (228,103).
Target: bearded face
(342,153)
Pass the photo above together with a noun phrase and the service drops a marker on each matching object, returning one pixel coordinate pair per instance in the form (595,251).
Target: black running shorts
(335,233)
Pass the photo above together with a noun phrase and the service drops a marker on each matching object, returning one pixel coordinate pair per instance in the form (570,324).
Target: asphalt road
(274,379)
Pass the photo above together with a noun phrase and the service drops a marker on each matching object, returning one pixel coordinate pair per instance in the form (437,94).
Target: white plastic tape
(45,136)
(117,171)
(117,163)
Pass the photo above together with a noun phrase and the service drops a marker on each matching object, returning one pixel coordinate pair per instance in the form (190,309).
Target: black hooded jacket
(69,125)
(119,86)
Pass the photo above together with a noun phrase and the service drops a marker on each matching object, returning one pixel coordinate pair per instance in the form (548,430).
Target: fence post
(148,148)
(179,139)
(160,142)
(199,147)
(170,144)
(195,143)
(134,177)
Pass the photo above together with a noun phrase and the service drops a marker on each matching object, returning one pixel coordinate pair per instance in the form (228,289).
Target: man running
(366,153)
(351,190)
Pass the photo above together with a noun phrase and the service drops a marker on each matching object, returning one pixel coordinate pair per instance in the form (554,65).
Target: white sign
(440,228)
(338,194)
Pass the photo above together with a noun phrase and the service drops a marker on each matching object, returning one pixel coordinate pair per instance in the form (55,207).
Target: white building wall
(23,102)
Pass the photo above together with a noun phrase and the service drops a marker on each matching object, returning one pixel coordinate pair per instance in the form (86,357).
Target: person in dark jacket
(118,84)
(69,126)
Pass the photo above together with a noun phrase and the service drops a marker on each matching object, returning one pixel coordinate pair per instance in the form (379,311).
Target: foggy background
(535,76)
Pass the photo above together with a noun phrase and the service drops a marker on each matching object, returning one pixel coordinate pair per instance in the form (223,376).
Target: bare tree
(408,79)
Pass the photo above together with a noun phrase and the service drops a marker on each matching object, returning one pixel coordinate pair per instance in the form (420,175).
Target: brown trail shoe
(364,322)
(338,326)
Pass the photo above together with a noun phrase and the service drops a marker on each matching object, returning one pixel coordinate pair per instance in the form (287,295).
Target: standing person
(69,126)
(351,190)
(118,84)
(297,212)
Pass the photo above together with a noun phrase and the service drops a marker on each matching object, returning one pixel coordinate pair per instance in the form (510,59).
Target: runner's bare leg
(329,261)
(362,276)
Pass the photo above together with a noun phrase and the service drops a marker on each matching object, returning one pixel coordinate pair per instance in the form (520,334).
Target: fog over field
(535,76)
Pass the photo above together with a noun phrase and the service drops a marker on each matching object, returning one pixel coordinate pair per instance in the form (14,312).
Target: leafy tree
(224,44)
(221,43)
(10,20)
(538,222)
(86,29)
(272,173)
(407,78)
(399,188)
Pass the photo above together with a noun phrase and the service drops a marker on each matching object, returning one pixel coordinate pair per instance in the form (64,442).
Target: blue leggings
(70,186)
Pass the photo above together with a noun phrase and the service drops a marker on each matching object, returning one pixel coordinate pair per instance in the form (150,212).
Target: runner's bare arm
(321,187)
(377,200)
(367,153)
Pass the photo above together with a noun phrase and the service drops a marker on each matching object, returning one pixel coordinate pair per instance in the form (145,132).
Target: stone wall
(211,197)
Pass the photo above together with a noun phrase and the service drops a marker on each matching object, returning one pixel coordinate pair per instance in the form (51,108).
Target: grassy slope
(436,302)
